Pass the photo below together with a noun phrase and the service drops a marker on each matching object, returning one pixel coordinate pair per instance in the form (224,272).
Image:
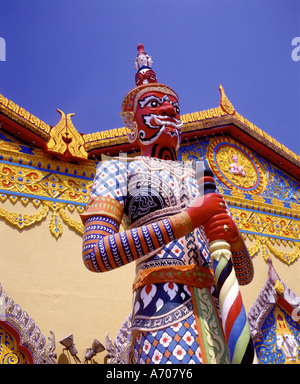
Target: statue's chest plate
(155,185)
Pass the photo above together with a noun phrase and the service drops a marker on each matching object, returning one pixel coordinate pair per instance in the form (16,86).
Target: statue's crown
(143,64)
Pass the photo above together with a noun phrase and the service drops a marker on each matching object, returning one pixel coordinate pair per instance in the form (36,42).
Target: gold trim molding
(58,211)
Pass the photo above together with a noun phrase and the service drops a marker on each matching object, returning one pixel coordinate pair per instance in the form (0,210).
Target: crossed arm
(105,248)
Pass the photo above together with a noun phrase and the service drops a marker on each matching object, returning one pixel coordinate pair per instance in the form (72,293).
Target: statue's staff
(233,315)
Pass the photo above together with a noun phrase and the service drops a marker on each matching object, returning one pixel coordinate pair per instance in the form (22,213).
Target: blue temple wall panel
(265,207)
(263,199)
(279,342)
(275,182)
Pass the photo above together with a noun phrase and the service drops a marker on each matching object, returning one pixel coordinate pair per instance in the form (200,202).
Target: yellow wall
(48,279)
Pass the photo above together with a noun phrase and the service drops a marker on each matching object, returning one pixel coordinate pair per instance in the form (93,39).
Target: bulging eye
(153,103)
(177,109)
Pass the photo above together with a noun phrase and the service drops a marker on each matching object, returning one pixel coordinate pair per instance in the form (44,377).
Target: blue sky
(77,55)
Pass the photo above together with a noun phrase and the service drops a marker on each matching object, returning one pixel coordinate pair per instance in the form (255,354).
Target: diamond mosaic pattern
(111,180)
(176,344)
(172,250)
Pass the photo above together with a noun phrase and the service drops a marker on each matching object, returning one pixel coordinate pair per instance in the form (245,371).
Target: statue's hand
(207,206)
(221,227)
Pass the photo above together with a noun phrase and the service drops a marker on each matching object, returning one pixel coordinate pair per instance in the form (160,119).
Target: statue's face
(158,120)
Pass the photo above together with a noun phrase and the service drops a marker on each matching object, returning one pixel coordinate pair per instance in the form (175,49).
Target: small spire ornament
(143,64)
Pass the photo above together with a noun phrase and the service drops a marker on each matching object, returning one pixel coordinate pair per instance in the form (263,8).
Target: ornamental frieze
(30,181)
(52,187)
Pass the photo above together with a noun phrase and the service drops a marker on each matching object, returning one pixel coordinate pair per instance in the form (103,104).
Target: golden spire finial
(65,141)
(225,104)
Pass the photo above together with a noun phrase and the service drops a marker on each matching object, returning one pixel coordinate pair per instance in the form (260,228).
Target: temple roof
(64,142)
(274,291)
